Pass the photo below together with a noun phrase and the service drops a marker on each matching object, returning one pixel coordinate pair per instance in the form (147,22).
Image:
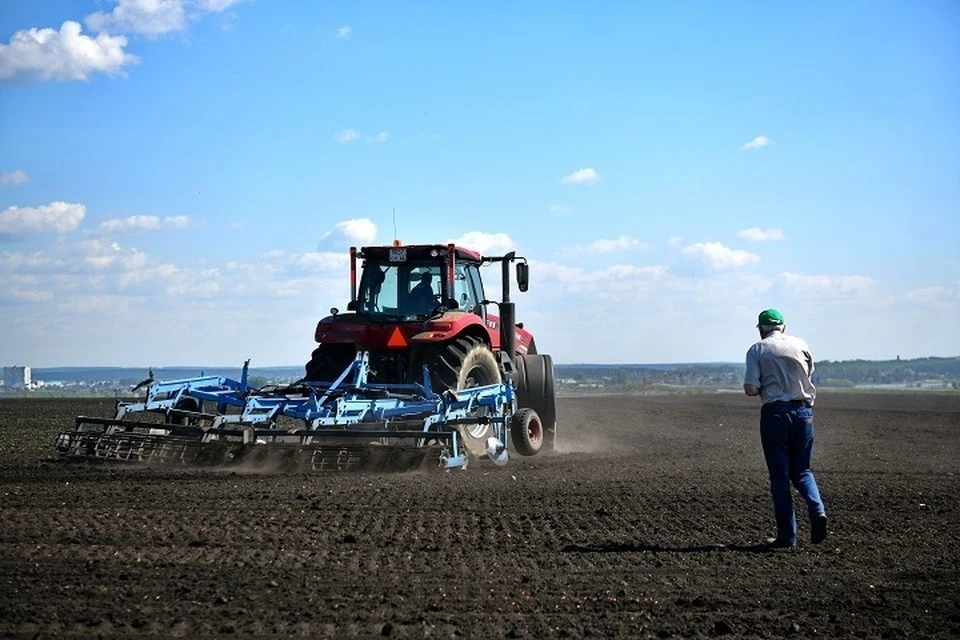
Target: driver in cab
(422,296)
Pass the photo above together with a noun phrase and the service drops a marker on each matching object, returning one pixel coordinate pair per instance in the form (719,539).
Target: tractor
(423,307)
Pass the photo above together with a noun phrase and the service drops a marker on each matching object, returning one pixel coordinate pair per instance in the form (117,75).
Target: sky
(181,180)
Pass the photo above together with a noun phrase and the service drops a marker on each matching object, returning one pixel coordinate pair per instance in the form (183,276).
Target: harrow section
(347,424)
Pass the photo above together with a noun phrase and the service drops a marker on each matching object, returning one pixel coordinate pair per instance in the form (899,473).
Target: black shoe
(818,529)
(776,543)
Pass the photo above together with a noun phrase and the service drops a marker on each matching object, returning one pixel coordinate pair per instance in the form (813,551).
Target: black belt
(788,403)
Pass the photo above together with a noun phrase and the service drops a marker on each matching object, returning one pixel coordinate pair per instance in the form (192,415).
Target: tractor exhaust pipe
(508,312)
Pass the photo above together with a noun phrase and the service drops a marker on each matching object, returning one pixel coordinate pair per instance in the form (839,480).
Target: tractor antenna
(394,223)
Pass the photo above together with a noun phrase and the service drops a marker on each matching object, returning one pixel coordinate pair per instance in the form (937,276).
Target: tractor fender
(450,325)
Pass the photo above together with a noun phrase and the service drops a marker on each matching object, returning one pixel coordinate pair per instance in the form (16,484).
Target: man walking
(779,370)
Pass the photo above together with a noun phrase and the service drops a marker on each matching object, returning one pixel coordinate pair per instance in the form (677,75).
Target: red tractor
(421,310)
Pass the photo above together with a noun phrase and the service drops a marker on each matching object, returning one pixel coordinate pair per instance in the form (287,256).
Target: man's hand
(751,390)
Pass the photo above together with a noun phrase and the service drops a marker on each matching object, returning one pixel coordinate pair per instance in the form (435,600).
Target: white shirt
(781,367)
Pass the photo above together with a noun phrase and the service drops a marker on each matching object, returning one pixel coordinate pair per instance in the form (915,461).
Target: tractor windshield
(405,290)
(412,290)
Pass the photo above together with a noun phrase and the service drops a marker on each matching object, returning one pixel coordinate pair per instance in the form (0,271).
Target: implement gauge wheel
(526,431)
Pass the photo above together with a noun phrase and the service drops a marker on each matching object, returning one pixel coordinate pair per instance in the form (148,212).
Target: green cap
(770,317)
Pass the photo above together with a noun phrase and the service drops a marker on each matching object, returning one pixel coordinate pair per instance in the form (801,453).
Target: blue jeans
(786,432)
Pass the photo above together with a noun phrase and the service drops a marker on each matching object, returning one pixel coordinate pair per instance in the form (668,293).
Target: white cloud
(820,285)
(21,262)
(611,281)
(931,295)
(608,246)
(154,18)
(344,32)
(67,54)
(58,217)
(139,271)
(674,241)
(149,17)
(29,295)
(756,234)
(97,253)
(319,261)
(717,256)
(216,6)
(204,287)
(99,306)
(358,231)
(135,224)
(586,176)
(485,243)
(559,208)
(347,135)
(757,143)
(14,178)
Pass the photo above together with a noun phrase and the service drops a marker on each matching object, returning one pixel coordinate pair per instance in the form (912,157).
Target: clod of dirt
(722,628)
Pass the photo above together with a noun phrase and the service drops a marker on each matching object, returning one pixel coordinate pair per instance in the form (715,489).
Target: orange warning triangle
(397,341)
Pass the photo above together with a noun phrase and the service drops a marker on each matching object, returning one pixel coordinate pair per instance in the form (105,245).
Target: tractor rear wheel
(329,361)
(534,383)
(464,363)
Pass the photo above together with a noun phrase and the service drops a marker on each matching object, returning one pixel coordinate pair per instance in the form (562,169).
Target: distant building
(16,377)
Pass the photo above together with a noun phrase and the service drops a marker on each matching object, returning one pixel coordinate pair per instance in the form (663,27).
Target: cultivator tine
(127,447)
(358,457)
(327,458)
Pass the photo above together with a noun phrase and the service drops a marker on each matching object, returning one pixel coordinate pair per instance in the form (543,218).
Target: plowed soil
(644,524)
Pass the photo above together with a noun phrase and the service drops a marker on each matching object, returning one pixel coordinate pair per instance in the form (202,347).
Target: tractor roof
(418,252)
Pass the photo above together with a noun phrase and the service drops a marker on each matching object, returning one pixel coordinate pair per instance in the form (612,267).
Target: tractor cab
(416,282)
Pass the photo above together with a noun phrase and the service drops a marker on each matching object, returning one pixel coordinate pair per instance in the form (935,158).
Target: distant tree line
(853,372)
(621,377)
(828,373)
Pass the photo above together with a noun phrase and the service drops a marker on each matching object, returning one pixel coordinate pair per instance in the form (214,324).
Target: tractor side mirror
(523,276)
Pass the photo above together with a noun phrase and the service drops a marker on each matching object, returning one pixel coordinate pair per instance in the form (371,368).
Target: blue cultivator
(349,423)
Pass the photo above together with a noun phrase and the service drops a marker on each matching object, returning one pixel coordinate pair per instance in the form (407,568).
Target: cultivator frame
(346,424)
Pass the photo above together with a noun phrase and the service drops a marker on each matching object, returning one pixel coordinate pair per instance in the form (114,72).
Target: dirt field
(645,525)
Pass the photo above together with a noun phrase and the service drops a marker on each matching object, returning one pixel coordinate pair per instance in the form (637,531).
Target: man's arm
(751,377)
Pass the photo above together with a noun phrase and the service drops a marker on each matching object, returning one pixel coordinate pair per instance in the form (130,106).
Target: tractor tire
(534,383)
(464,363)
(461,364)
(526,432)
(329,361)
(184,404)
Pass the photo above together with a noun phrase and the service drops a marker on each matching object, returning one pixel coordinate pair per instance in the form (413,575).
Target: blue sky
(180,180)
